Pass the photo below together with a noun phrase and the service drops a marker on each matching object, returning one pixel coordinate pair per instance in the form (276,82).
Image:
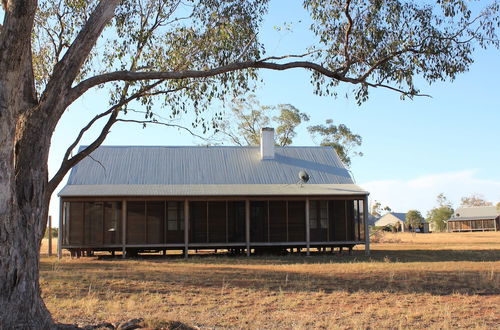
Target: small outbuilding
(135,199)
(478,218)
(398,221)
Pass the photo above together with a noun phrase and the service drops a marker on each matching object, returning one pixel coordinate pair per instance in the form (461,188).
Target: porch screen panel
(217,222)
(338,213)
(175,222)
(258,222)
(362,219)
(356,221)
(94,228)
(318,220)
(112,222)
(349,220)
(489,224)
(277,221)
(136,222)
(198,222)
(65,223)
(296,221)
(75,221)
(236,221)
(155,222)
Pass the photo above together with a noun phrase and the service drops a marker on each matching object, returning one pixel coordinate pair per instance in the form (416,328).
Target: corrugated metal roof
(473,218)
(212,190)
(153,168)
(208,165)
(475,213)
(400,216)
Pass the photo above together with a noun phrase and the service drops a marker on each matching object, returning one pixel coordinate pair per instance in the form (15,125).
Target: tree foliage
(440,214)
(377,210)
(388,43)
(340,138)
(242,126)
(287,121)
(474,200)
(414,219)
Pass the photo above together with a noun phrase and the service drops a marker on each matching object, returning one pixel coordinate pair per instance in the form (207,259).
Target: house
(478,218)
(372,219)
(398,220)
(144,198)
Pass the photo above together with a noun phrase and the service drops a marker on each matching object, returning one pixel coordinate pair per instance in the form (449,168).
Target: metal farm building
(133,199)
(479,218)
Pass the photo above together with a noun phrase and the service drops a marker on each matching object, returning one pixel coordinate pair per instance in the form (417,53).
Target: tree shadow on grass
(404,256)
(104,261)
(167,275)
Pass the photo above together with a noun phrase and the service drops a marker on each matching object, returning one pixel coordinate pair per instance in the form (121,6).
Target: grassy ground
(410,281)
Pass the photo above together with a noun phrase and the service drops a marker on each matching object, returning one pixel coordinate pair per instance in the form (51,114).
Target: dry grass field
(410,281)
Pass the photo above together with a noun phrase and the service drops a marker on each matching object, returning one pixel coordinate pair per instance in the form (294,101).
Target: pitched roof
(400,216)
(388,218)
(475,213)
(154,170)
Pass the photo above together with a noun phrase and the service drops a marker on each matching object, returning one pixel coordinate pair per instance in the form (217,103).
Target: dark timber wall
(156,223)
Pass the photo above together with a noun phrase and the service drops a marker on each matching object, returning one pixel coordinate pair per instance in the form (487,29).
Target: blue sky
(413,149)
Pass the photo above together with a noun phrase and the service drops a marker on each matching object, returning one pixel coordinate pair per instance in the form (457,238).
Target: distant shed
(398,220)
(479,218)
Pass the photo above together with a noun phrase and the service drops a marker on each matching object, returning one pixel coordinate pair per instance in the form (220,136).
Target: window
(112,222)
(175,216)
(318,214)
(172,216)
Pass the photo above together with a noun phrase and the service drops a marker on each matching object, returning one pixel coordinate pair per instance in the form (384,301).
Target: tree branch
(66,70)
(347,35)
(85,85)
(156,122)
(67,162)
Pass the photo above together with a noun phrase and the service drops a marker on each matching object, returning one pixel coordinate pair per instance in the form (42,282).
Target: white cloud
(420,193)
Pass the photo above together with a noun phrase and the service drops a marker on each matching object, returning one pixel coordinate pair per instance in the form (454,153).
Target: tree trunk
(24,200)
(24,145)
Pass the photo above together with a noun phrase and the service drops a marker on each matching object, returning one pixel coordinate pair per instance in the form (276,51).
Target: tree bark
(24,145)
(26,127)
(23,215)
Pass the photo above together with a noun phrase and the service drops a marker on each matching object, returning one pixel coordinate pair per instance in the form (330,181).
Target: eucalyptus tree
(474,200)
(339,137)
(247,116)
(183,55)
(440,214)
(414,219)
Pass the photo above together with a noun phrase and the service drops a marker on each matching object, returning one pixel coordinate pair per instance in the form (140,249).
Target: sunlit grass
(418,281)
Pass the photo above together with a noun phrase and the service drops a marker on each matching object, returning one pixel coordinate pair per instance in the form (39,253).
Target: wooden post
(308,229)
(186,228)
(247,226)
(50,236)
(124,228)
(60,230)
(365,219)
